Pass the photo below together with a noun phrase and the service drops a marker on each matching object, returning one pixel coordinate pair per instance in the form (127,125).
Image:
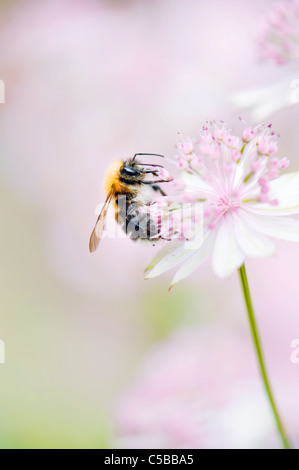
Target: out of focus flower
(244,198)
(279,36)
(279,42)
(201,389)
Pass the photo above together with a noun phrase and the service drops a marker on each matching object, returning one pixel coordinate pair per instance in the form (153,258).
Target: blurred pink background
(88,82)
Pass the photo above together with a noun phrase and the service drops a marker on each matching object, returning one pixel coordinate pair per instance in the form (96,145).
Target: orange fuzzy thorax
(111,176)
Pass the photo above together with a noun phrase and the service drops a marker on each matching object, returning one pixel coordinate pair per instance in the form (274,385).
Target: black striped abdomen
(138,225)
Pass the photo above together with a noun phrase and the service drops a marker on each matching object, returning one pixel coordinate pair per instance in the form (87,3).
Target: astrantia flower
(278,41)
(244,199)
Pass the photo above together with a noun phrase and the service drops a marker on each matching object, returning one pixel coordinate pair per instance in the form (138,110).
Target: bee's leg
(156,187)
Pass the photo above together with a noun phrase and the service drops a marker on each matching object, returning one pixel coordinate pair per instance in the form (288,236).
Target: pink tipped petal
(227,255)
(194,261)
(250,241)
(168,257)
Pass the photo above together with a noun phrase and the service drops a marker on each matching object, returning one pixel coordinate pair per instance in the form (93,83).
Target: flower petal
(283,228)
(196,183)
(286,190)
(266,100)
(249,240)
(227,255)
(170,255)
(194,261)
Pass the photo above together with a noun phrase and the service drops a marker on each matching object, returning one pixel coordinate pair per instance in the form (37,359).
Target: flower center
(223,205)
(228,203)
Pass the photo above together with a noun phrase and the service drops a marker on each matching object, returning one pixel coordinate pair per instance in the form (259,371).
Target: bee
(127,185)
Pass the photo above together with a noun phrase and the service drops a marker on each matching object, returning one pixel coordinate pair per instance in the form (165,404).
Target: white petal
(283,228)
(249,240)
(227,255)
(243,169)
(270,106)
(169,256)
(267,100)
(196,183)
(286,190)
(194,261)
(250,97)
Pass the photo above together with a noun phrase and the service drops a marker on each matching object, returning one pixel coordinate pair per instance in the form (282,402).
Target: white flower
(245,200)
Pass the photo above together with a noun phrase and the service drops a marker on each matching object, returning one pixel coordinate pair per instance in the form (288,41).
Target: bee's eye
(129,171)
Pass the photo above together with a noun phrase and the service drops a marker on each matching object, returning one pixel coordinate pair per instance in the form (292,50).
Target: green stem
(259,352)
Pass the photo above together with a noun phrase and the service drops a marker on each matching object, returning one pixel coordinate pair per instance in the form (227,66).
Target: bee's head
(132,172)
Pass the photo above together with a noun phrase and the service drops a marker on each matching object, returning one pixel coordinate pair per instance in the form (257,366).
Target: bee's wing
(99,226)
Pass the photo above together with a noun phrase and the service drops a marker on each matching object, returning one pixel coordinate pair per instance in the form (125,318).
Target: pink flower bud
(273,173)
(248,134)
(264,185)
(283,163)
(274,202)
(232,141)
(182,164)
(197,163)
(262,146)
(220,134)
(272,148)
(163,174)
(273,163)
(256,165)
(186,147)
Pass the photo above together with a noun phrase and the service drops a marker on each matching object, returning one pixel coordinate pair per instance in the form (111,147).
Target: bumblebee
(127,185)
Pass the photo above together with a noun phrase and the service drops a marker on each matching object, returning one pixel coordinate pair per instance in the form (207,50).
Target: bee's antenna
(150,164)
(150,154)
